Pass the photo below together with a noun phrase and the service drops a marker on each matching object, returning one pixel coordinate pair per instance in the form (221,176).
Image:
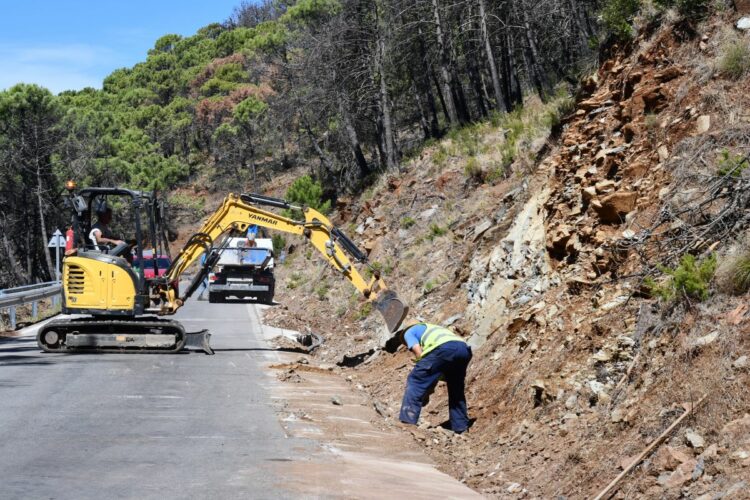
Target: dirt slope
(576,370)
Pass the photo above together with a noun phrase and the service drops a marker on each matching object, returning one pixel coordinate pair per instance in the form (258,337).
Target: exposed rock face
(519,260)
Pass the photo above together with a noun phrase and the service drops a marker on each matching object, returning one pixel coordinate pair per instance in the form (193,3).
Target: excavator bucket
(392,309)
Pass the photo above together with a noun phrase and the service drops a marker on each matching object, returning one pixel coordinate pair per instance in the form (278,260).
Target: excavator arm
(239,212)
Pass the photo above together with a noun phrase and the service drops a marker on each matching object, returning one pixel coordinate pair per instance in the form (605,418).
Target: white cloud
(58,67)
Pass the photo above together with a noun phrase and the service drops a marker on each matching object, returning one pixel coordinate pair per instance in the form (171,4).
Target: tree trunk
(445,74)
(513,95)
(42,222)
(389,142)
(423,121)
(535,68)
(10,251)
(500,101)
(354,144)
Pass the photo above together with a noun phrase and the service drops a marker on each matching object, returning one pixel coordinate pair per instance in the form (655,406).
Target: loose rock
(694,439)
(616,206)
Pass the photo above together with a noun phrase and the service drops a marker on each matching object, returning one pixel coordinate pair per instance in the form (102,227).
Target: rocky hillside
(597,271)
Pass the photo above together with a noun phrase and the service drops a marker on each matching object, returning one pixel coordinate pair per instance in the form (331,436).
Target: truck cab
(244,270)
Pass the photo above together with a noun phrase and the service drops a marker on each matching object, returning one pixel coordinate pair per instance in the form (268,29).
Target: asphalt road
(144,426)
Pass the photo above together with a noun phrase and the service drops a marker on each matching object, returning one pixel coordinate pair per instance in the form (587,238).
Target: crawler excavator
(118,309)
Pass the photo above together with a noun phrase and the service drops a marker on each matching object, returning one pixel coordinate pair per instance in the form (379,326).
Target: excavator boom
(238,212)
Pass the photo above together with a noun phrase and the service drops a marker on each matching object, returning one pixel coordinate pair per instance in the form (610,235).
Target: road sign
(57,240)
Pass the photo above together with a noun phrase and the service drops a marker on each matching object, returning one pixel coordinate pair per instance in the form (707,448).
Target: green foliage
(741,273)
(249,110)
(279,243)
(186,202)
(473,170)
(618,15)
(440,156)
(384,269)
(731,164)
(436,231)
(689,280)
(305,191)
(735,59)
(407,222)
(310,11)
(295,281)
(364,311)
(322,290)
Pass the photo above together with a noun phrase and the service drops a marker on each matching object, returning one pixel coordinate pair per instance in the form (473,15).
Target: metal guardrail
(13,297)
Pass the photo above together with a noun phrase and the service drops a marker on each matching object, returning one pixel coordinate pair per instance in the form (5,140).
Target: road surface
(85,426)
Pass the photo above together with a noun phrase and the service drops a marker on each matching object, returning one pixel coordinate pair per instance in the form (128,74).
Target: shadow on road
(263,349)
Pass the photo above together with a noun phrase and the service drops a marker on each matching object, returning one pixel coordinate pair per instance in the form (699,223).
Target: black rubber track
(109,327)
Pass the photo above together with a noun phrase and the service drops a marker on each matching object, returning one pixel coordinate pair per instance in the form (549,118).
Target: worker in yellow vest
(440,353)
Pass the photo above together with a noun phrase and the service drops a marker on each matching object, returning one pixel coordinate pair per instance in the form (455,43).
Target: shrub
(436,231)
(279,243)
(440,156)
(735,60)
(407,222)
(733,275)
(742,274)
(730,164)
(689,280)
(364,311)
(473,170)
(308,192)
(322,290)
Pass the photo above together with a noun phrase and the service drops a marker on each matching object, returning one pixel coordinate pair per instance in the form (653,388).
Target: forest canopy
(345,87)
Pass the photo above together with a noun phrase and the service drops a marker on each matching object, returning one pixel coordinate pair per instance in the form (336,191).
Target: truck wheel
(214,298)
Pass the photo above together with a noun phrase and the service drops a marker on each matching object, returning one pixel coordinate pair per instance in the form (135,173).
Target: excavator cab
(139,222)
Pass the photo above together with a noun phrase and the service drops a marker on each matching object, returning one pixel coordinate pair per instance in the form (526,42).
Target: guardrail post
(12,315)
(34,310)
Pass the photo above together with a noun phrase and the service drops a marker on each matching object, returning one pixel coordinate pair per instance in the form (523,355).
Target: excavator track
(142,336)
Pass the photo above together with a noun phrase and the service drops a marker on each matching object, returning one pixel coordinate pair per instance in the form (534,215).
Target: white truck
(244,270)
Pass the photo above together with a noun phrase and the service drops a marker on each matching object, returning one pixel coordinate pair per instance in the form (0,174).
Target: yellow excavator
(119,309)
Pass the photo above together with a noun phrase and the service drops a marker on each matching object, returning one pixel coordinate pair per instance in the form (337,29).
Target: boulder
(616,206)
(744,23)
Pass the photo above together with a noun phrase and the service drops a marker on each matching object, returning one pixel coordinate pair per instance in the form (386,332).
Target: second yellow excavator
(122,310)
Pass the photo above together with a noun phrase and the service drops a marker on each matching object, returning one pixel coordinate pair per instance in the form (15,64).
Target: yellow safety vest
(434,336)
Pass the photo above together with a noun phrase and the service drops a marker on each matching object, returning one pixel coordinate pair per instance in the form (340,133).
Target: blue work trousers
(450,361)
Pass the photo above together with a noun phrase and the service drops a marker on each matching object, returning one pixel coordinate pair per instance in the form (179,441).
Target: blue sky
(72,44)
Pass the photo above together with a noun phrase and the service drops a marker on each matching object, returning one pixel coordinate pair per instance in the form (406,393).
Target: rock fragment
(616,206)
(703,124)
(694,439)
